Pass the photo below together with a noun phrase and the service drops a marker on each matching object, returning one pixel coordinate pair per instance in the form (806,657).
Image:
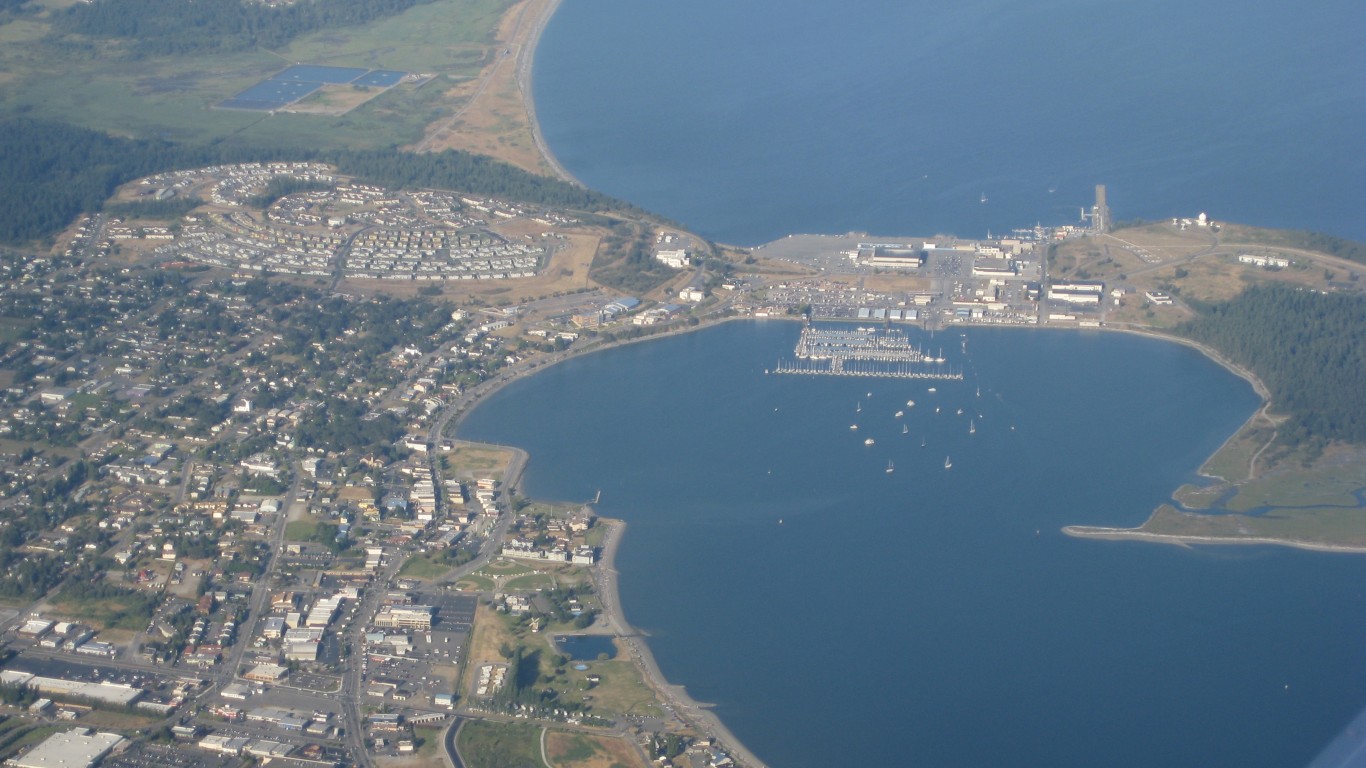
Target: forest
(1309,348)
(55,171)
(174,27)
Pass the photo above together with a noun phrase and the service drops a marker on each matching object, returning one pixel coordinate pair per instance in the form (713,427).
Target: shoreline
(698,714)
(526,59)
(1184,540)
(675,697)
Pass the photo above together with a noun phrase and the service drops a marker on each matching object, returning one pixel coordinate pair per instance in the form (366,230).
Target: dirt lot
(583,750)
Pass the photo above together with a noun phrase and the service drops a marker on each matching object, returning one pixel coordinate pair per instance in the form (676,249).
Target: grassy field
(28,739)
(475,583)
(1315,503)
(529,582)
(1231,462)
(492,744)
(1195,263)
(1310,525)
(423,567)
(621,691)
(472,460)
(300,530)
(586,750)
(1329,482)
(172,97)
(106,613)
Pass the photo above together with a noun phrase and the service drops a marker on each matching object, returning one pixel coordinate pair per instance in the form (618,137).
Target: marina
(872,352)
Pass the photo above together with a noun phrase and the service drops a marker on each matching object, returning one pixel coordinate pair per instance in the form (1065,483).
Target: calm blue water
(939,617)
(748,121)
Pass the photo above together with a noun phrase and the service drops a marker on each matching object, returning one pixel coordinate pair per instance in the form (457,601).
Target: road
(260,591)
(352,718)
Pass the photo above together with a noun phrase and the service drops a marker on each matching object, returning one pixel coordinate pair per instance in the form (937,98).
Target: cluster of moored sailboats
(906,429)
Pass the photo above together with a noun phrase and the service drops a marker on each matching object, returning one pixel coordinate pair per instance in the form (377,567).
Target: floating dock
(872,352)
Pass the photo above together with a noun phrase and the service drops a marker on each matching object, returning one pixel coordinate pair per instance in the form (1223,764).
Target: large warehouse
(77,748)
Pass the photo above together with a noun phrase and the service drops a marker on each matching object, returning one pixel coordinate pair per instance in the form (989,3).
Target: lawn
(424,567)
(301,530)
(529,582)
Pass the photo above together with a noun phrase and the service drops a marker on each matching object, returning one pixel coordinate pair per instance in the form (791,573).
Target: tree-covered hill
(1309,349)
(176,27)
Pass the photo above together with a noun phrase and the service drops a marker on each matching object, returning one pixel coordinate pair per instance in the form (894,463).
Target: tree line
(1309,348)
(55,171)
(175,27)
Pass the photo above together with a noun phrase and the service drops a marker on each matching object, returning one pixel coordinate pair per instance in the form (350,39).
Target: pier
(837,367)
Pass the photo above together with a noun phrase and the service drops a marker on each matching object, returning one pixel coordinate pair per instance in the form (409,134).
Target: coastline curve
(526,61)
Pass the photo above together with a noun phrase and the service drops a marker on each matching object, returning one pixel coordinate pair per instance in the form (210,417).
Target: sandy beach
(526,59)
(1138,534)
(675,697)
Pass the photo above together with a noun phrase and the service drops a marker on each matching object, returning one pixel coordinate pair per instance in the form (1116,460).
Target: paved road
(448,740)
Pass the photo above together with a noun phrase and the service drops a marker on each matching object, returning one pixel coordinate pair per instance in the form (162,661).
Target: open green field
(622,689)
(300,530)
(1232,460)
(423,567)
(505,568)
(492,744)
(475,583)
(97,86)
(529,582)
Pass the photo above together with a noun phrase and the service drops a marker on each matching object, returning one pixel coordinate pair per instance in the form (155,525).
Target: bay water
(838,614)
(748,121)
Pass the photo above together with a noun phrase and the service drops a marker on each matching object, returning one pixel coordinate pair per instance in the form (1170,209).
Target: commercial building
(76,748)
(405,616)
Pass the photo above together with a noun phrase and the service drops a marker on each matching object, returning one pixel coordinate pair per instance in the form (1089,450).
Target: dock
(871,352)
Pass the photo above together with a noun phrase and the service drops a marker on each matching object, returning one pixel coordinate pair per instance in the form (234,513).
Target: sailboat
(972,427)
(858,407)
(948,464)
(905,429)
(890,469)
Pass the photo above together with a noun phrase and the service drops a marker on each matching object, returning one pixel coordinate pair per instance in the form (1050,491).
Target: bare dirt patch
(335,100)
(584,750)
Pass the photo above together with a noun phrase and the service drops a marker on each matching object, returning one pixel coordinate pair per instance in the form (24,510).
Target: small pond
(586,647)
